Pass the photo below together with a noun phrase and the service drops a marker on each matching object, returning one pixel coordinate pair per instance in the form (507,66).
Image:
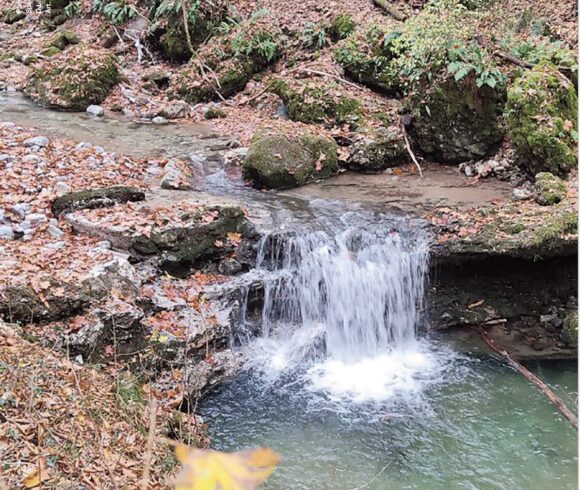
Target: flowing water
(342,380)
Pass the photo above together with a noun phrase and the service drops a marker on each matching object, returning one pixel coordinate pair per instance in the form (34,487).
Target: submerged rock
(95,110)
(549,189)
(74,80)
(96,198)
(278,161)
(541,119)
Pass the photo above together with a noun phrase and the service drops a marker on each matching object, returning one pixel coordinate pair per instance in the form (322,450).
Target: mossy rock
(312,104)
(62,39)
(341,27)
(569,332)
(50,51)
(192,87)
(74,80)
(373,70)
(377,149)
(12,16)
(455,121)
(550,189)
(173,46)
(214,113)
(541,115)
(278,161)
(95,198)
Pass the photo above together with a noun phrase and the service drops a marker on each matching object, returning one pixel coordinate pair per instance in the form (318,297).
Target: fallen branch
(390,9)
(531,377)
(324,74)
(409,150)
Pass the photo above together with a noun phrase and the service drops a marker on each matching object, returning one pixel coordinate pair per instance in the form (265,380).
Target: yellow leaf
(212,470)
(32,479)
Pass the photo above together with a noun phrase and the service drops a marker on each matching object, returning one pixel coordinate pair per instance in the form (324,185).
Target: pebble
(41,141)
(159,120)
(5,157)
(21,209)
(83,145)
(36,218)
(55,231)
(521,194)
(96,110)
(99,150)
(54,246)
(6,232)
(62,188)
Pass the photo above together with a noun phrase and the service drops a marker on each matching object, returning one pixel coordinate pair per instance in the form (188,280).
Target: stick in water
(531,377)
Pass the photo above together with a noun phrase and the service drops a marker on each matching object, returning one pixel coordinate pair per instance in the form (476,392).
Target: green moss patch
(550,189)
(75,79)
(541,120)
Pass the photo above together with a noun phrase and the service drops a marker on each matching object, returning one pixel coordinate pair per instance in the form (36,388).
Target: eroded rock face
(541,120)
(377,149)
(74,80)
(453,122)
(277,161)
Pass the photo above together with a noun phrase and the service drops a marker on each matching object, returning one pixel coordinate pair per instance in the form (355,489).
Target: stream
(343,381)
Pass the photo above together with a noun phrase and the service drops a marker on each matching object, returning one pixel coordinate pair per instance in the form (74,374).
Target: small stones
(62,188)
(21,209)
(159,120)
(54,231)
(40,141)
(36,218)
(521,194)
(6,232)
(95,110)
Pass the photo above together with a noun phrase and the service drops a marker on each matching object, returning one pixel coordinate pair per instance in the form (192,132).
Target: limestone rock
(96,198)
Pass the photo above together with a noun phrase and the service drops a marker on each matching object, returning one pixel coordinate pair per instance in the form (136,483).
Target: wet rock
(175,110)
(159,120)
(550,189)
(522,193)
(203,376)
(229,267)
(176,176)
(96,198)
(235,157)
(95,110)
(278,161)
(40,141)
(377,149)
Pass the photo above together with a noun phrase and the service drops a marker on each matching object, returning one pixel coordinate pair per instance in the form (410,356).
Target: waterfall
(353,294)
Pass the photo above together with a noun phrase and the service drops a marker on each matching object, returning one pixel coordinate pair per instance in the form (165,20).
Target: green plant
(315,36)
(72,9)
(469,59)
(261,46)
(117,12)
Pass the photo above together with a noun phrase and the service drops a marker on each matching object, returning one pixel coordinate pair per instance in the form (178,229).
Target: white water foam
(343,310)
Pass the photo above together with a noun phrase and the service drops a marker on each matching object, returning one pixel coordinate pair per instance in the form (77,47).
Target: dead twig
(531,377)
(409,150)
(324,74)
(149,446)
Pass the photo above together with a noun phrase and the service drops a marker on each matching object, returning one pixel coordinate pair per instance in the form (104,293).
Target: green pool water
(478,425)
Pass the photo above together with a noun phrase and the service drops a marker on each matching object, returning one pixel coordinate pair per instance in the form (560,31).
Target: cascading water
(344,303)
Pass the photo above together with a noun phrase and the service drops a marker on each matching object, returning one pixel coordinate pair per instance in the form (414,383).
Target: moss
(74,80)
(550,189)
(377,149)
(213,113)
(174,46)
(454,121)
(11,16)
(549,235)
(514,228)
(62,39)
(95,198)
(341,27)
(569,332)
(50,51)
(541,120)
(277,161)
(314,104)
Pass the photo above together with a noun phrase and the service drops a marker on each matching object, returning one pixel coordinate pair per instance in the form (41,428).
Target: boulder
(550,189)
(11,16)
(377,149)
(95,198)
(73,80)
(541,120)
(309,103)
(455,121)
(175,110)
(95,110)
(278,161)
